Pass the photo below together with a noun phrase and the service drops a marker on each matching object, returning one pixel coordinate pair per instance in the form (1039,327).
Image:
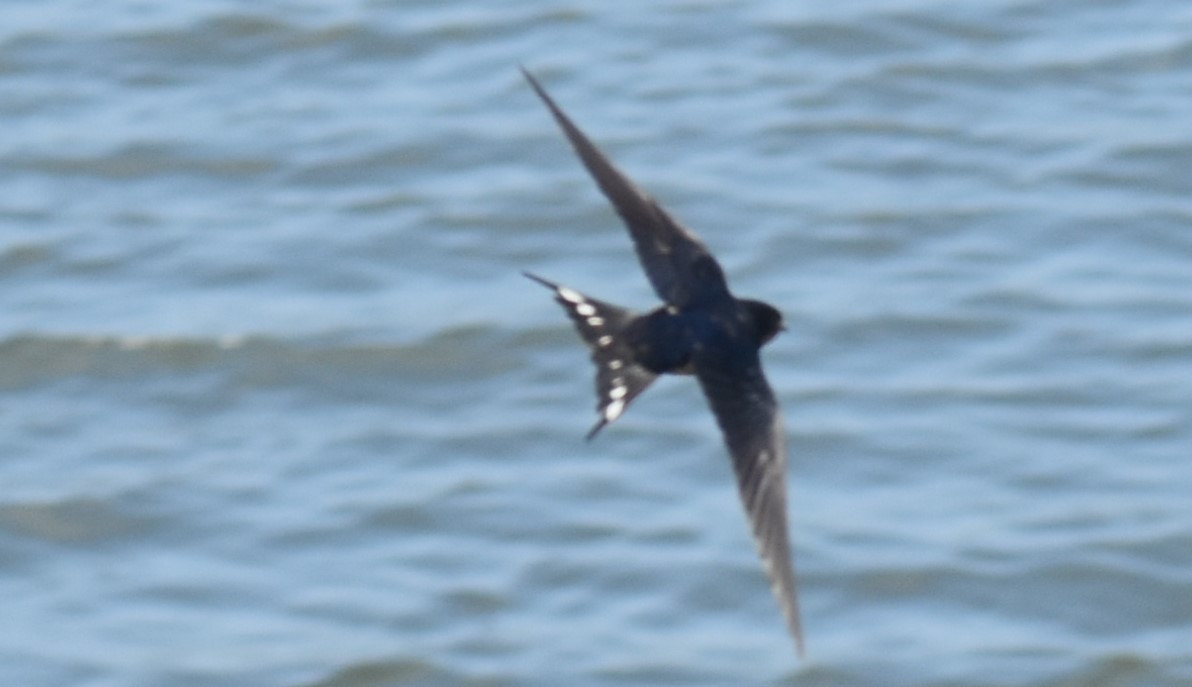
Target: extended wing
(748,416)
(678,265)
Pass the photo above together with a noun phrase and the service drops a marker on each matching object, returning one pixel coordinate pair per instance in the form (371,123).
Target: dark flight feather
(678,265)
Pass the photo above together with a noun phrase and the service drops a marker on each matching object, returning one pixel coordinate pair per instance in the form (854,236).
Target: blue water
(277,408)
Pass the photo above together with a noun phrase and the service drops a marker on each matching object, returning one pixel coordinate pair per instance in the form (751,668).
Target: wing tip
(541,91)
(797,630)
(788,600)
(786,590)
(528,75)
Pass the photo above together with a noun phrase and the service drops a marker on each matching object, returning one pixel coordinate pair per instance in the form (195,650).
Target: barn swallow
(702,329)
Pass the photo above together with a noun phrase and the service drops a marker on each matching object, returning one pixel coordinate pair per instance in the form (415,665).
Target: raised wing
(678,265)
(748,416)
(619,378)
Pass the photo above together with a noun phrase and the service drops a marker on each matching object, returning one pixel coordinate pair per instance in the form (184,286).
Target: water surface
(277,408)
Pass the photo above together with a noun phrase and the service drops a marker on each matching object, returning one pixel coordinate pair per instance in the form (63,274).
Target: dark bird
(703,330)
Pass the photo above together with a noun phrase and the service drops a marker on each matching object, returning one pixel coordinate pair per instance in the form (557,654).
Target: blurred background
(277,407)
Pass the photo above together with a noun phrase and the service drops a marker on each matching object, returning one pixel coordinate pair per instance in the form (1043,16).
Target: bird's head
(766,320)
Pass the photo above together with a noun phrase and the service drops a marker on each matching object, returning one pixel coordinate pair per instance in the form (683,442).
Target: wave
(32,359)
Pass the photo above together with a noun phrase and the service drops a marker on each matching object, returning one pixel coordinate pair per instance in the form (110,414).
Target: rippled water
(276,407)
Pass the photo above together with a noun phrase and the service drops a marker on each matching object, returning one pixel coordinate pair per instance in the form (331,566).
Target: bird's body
(702,329)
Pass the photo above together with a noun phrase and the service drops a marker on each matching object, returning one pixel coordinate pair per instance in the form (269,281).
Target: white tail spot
(585,309)
(617,392)
(605,340)
(569,295)
(614,410)
(595,321)
(615,364)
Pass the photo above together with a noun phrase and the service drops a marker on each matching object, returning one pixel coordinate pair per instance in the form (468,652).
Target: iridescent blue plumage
(702,330)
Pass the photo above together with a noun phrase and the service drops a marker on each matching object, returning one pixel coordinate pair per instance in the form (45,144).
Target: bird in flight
(702,329)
